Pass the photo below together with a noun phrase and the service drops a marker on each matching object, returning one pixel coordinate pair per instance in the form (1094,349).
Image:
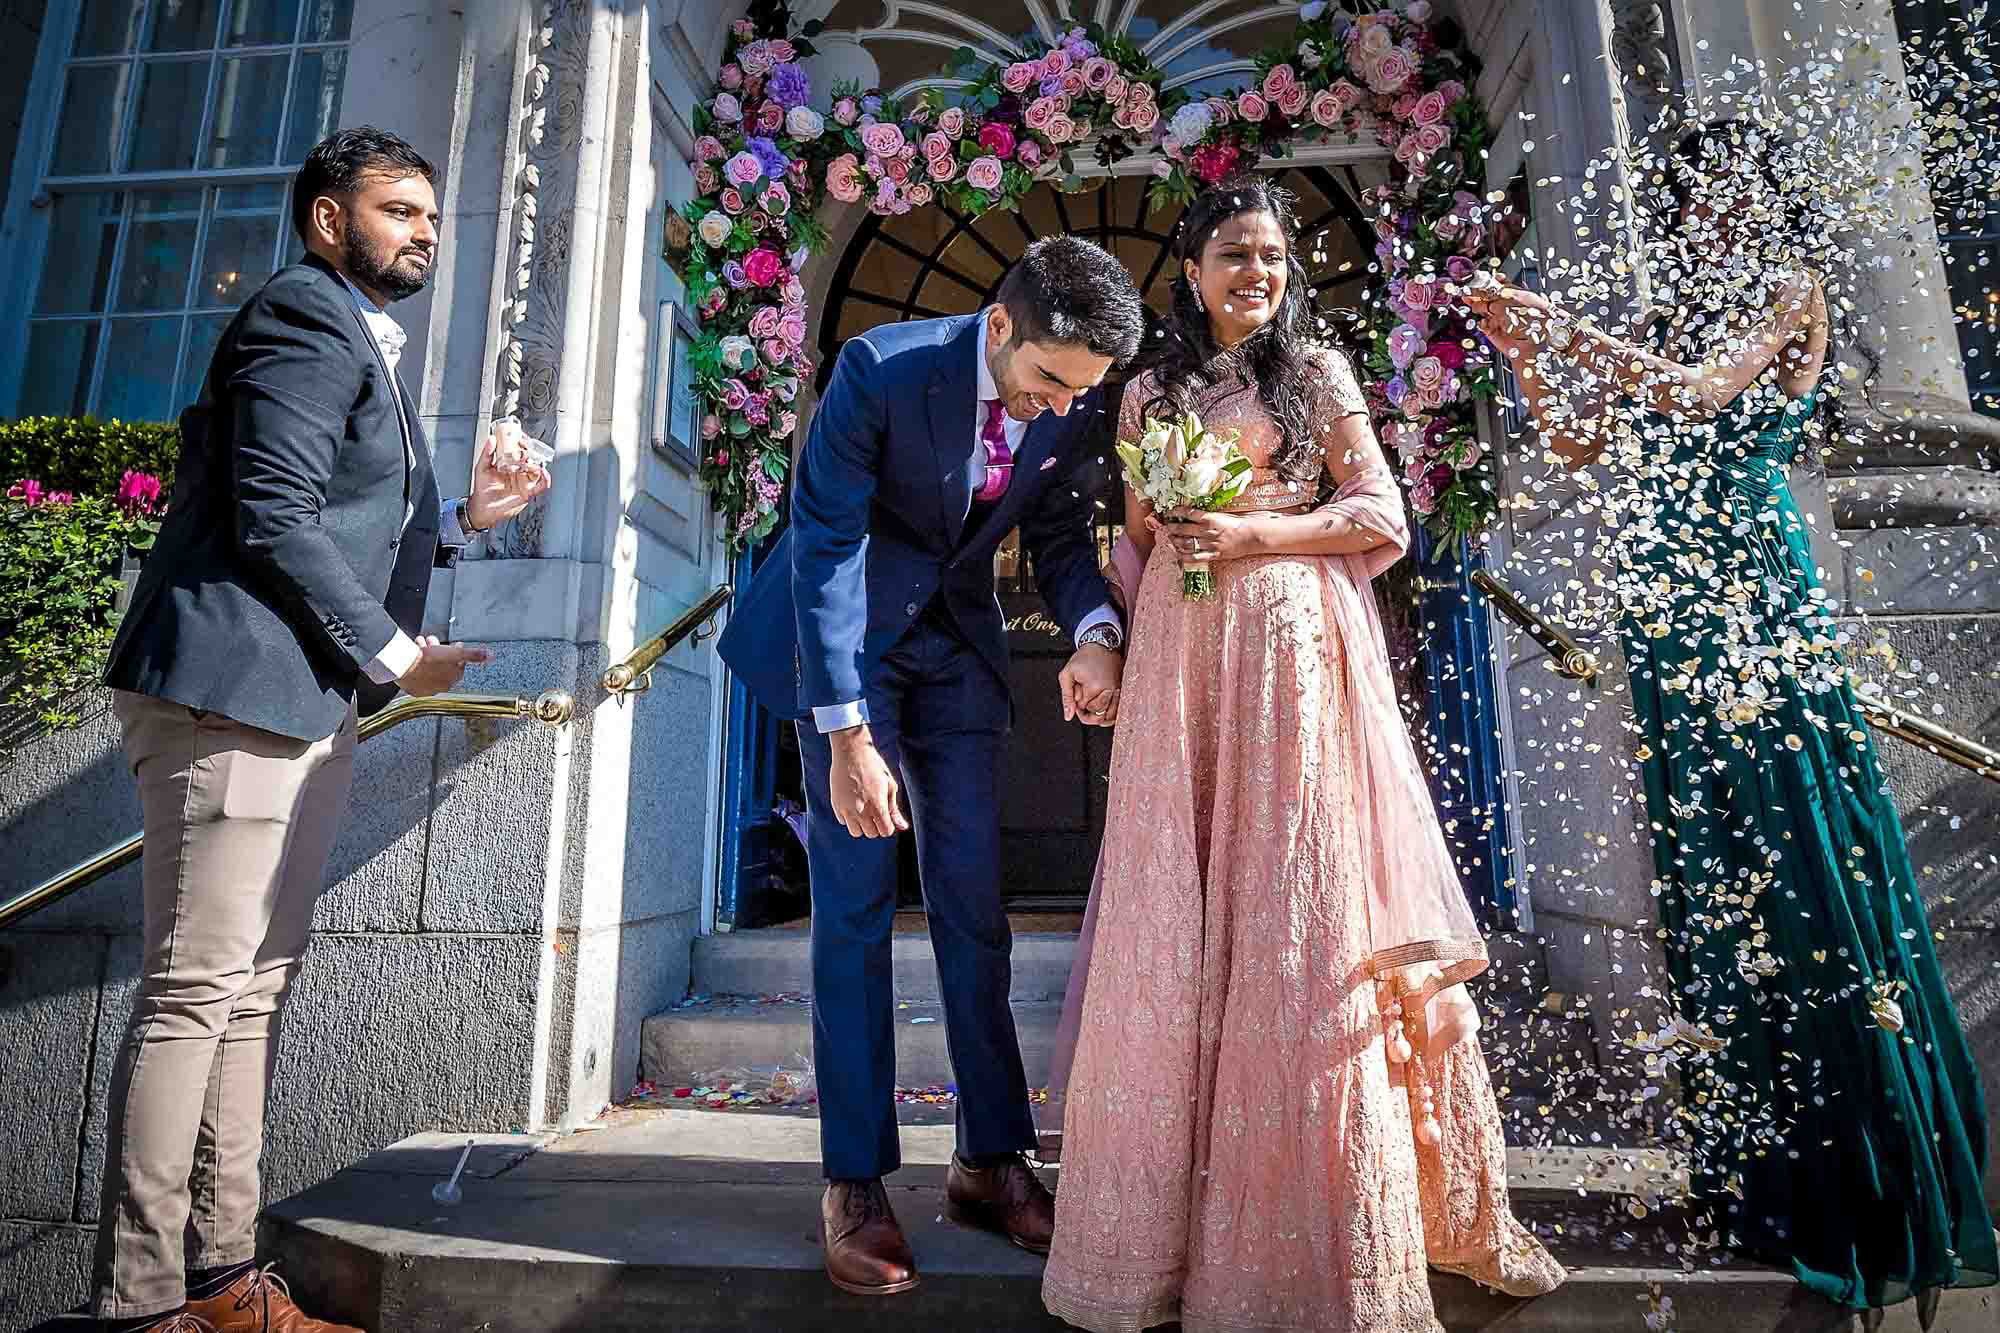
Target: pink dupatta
(1424,941)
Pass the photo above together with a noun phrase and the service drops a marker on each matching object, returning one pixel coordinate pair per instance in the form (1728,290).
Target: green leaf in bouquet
(1134,460)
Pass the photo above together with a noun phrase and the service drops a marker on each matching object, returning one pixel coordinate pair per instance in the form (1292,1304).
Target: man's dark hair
(1063,289)
(337,163)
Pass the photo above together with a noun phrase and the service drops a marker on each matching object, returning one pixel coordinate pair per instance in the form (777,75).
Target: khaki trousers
(238,824)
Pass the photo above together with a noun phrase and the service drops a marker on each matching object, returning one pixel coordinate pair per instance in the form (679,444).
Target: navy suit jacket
(880,505)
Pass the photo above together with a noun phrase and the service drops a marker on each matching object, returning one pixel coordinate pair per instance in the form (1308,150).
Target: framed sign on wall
(676,412)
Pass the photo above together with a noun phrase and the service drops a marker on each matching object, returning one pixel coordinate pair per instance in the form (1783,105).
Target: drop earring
(1199,304)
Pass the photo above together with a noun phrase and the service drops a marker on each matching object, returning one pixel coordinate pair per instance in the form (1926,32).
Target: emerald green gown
(1852,1152)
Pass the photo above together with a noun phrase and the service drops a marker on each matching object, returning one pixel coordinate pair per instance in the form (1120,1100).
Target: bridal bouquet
(1179,464)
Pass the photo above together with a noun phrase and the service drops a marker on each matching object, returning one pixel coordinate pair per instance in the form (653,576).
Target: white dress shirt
(840,717)
(400,653)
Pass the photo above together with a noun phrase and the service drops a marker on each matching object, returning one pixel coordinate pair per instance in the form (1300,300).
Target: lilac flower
(769,156)
(789,86)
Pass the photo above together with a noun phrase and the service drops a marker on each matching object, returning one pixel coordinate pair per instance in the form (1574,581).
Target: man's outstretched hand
(439,665)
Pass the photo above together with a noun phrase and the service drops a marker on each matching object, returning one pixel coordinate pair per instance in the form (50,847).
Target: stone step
(779,962)
(700,1040)
(705,1223)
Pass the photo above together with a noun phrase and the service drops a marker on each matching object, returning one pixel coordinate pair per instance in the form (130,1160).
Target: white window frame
(24,227)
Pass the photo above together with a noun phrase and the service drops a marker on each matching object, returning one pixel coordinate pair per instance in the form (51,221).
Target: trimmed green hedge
(86,456)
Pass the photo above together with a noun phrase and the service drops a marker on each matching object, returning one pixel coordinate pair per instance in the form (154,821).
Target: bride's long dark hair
(1277,358)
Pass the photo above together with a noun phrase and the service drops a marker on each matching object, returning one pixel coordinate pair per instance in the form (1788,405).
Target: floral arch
(1008,114)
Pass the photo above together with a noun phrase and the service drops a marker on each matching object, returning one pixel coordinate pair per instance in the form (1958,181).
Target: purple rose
(769,156)
(1405,346)
(789,86)
(733,274)
(1396,390)
(1051,86)
(743,168)
(1458,268)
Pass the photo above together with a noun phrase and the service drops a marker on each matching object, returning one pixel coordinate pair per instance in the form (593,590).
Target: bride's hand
(1208,536)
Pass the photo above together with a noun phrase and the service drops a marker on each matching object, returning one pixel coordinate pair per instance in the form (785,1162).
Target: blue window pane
(183,25)
(93,109)
(158,256)
(83,240)
(169,122)
(139,365)
(55,382)
(261,22)
(315,101)
(238,260)
(204,332)
(108,27)
(327,20)
(249,105)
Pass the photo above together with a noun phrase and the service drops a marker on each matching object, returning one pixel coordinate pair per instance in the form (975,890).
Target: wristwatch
(465,520)
(1562,332)
(1104,635)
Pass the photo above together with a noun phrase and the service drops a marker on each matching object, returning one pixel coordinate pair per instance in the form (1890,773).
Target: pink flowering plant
(767,155)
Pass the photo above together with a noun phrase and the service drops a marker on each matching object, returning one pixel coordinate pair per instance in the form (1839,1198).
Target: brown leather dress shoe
(259,1302)
(866,1252)
(1009,1199)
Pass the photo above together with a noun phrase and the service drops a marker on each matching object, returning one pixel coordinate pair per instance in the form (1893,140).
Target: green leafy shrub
(86,456)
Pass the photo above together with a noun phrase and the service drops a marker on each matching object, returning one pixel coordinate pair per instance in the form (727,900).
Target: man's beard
(380,272)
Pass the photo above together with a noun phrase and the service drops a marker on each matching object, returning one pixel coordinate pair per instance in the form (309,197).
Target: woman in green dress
(1833,1107)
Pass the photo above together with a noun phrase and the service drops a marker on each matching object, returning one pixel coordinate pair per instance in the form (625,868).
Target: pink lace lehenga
(1240,1149)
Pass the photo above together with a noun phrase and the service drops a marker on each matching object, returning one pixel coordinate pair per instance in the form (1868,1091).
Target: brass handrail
(634,674)
(551,707)
(1947,745)
(1574,662)
(1570,657)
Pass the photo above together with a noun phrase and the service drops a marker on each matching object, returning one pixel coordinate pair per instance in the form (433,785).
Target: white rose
(1202,476)
(739,352)
(804,123)
(715,228)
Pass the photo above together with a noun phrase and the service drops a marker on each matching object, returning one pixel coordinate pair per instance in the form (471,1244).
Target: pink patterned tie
(999,458)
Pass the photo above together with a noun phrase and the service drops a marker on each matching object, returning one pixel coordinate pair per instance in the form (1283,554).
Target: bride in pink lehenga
(1278,1114)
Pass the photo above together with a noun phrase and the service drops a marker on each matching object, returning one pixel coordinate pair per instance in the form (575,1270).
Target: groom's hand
(863,790)
(1090,685)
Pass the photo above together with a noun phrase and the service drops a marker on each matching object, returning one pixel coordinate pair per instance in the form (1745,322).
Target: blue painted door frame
(1470,782)
(749,784)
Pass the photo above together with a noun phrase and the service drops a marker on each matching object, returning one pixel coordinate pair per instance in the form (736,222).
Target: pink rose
(1426,374)
(843,178)
(711,426)
(1392,71)
(1142,118)
(743,168)
(1116,90)
(726,108)
(777,199)
(792,327)
(896,168)
(1419,294)
(788,422)
(1039,112)
(1072,83)
(952,122)
(1097,71)
(758,220)
(984,173)
(1055,63)
(1431,138)
(782,51)
(1294,100)
(1326,109)
(1061,128)
(1221,110)
(884,138)
(731,77)
(732,200)
(1029,153)
(1347,94)
(770,117)
(744,29)
(708,148)
(763,266)
(919,194)
(764,324)
(920,114)
(756,58)
(997,139)
(1252,107)
(1020,76)
(775,352)
(942,169)
(937,144)
(1429,109)
(705,180)
(1281,80)
(734,394)
(846,111)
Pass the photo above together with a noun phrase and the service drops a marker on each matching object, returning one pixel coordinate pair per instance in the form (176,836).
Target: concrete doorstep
(695,1222)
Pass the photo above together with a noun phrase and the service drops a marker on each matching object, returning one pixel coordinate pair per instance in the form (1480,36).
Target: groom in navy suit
(874,624)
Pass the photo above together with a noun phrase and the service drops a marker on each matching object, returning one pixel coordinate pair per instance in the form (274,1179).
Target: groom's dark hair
(337,163)
(1063,289)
